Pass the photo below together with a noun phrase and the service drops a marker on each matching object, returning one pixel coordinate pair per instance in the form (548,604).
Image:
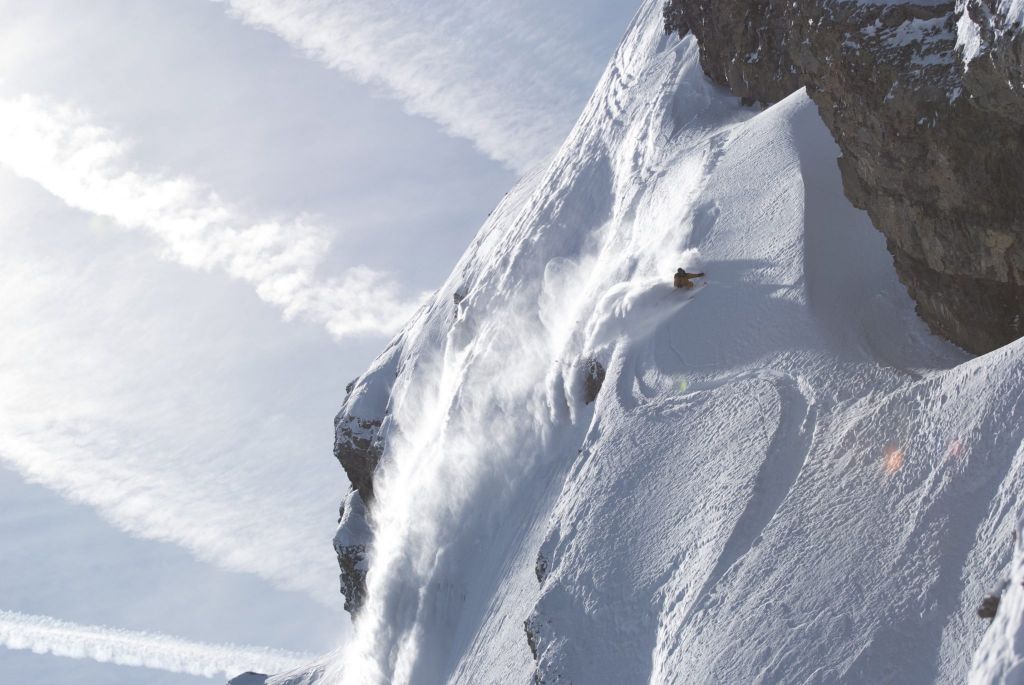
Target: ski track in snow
(788,448)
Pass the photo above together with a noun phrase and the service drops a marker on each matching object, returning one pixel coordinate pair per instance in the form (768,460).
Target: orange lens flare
(893,460)
(956,449)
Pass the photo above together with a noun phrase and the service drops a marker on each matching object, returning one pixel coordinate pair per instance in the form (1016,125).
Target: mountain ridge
(783,476)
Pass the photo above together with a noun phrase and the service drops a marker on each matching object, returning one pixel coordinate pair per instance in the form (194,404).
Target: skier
(684,279)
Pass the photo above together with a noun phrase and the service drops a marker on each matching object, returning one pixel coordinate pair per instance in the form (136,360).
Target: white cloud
(509,76)
(175,404)
(46,635)
(203,503)
(83,164)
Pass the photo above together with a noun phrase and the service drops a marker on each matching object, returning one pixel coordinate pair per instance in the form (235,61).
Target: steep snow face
(784,476)
(1000,659)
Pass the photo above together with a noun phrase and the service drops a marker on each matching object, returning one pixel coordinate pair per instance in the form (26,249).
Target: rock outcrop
(359,430)
(358,449)
(925,102)
(593,379)
(351,544)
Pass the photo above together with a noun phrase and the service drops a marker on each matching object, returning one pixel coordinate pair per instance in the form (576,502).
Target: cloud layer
(83,164)
(509,76)
(46,635)
(176,404)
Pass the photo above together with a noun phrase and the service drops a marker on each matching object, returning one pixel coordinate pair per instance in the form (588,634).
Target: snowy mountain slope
(1000,658)
(784,476)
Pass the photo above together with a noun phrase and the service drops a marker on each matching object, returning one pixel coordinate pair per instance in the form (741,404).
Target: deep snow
(1000,658)
(785,478)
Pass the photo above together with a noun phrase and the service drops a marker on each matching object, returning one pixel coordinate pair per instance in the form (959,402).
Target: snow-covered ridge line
(47,635)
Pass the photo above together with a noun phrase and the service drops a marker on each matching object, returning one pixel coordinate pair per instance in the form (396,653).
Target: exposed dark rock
(352,562)
(351,543)
(675,15)
(541,568)
(931,152)
(989,607)
(249,678)
(359,431)
(535,640)
(531,637)
(990,604)
(593,379)
(357,448)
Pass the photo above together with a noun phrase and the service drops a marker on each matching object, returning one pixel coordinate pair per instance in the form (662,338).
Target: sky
(214,215)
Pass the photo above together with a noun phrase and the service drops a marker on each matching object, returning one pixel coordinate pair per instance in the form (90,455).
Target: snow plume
(494,402)
(83,164)
(499,403)
(444,469)
(510,77)
(45,635)
(491,400)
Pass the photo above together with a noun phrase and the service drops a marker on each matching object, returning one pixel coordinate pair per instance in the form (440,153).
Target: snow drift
(784,477)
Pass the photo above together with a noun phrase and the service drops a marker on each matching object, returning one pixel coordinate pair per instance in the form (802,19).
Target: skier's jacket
(682,279)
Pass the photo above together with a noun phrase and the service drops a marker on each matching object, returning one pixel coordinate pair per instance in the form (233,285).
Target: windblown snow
(785,477)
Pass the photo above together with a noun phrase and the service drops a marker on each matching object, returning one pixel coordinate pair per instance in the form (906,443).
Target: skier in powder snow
(684,279)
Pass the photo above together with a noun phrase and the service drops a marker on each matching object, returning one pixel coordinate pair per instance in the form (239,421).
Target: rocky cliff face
(359,430)
(358,449)
(925,102)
